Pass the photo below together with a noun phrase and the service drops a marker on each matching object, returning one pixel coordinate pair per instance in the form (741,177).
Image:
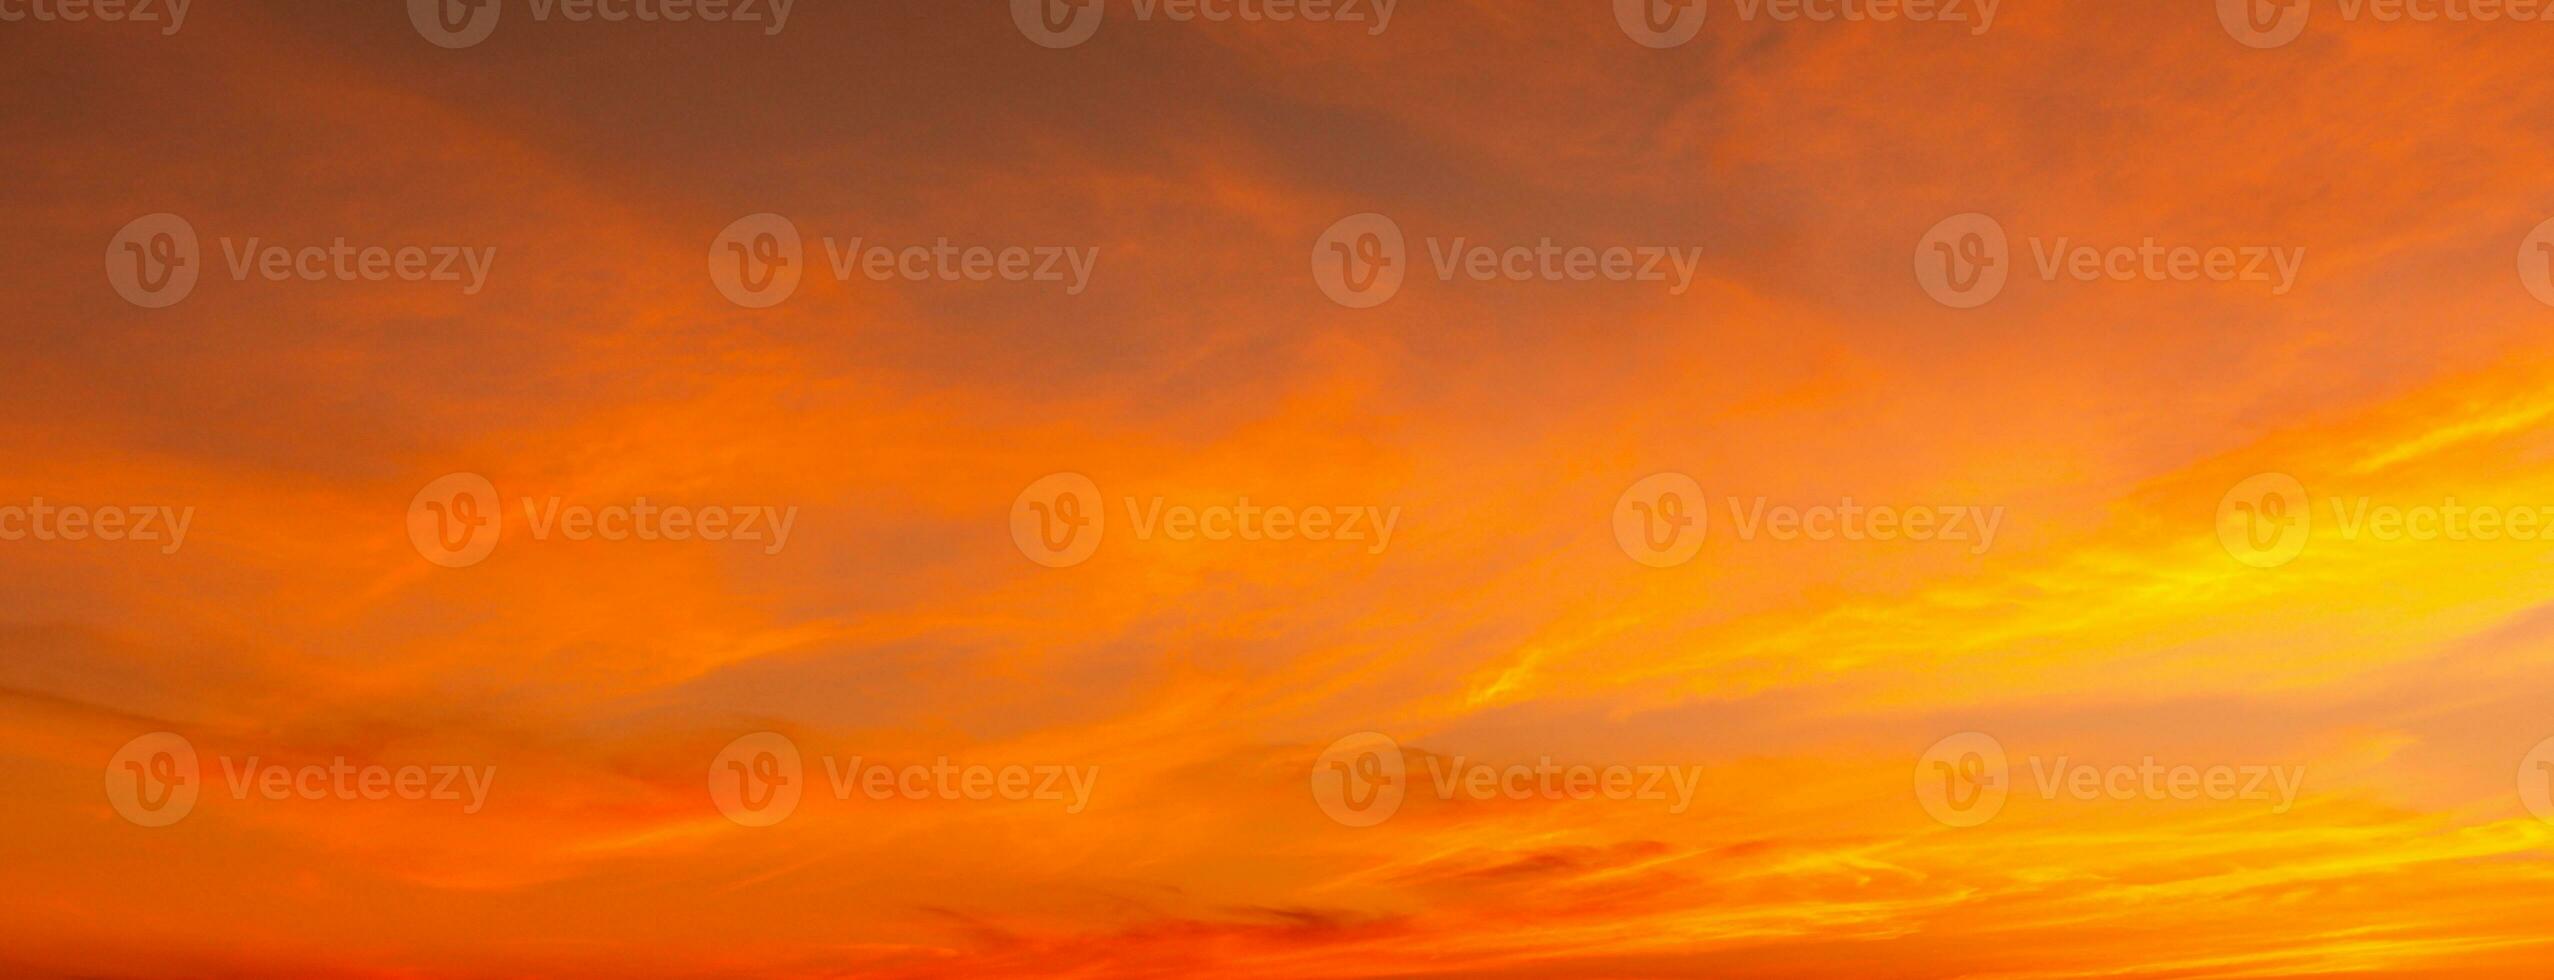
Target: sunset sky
(2265,523)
